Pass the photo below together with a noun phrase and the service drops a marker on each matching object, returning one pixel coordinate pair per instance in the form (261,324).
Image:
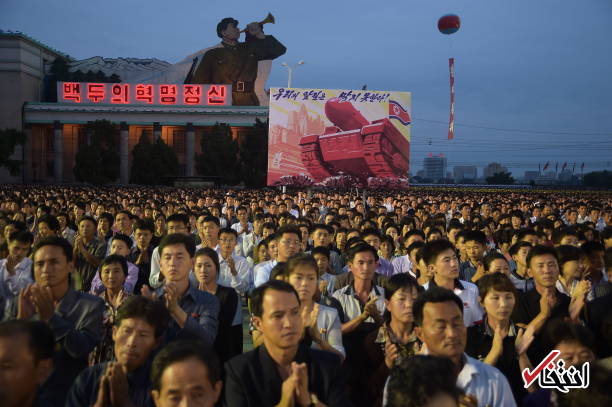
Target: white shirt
(241,282)
(486,383)
(262,271)
(239,245)
(10,285)
(468,292)
(402,264)
(351,305)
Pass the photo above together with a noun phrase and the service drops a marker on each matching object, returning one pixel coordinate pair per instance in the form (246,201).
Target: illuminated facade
(178,114)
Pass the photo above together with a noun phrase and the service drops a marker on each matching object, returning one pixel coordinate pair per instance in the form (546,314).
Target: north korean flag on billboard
(397,112)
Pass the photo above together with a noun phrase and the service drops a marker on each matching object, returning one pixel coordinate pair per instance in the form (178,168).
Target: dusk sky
(533,78)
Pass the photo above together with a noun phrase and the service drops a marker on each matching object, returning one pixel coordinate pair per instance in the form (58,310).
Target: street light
(290,71)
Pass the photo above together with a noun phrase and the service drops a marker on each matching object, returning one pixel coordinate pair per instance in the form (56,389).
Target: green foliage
(254,156)
(500,178)
(598,179)
(9,139)
(153,163)
(98,162)
(219,155)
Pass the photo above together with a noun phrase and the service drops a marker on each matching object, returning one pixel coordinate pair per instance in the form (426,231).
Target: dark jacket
(252,379)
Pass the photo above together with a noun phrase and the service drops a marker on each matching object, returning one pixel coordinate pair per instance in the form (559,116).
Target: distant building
(465,172)
(434,168)
(492,169)
(531,175)
(566,175)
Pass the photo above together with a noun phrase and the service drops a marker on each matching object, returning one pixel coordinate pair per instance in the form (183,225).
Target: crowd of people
(155,297)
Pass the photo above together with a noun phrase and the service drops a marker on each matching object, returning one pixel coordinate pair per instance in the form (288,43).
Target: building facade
(434,168)
(55,131)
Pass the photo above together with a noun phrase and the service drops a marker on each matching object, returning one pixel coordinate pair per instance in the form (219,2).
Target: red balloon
(449,24)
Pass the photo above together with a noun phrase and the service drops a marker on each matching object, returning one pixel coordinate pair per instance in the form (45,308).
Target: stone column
(190,150)
(123,152)
(27,154)
(157,131)
(58,152)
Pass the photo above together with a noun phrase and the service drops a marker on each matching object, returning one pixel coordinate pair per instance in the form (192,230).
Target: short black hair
(211,253)
(178,238)
(211,218)
(223,24)
(498,282)
(145,224)
(370,232)
(317,226)
(301,259)
(41,340)
(433,249)
(154,312)
(398,282)
(541,250)
(559,330)
(89,218)
(51,222)
(114,259)
(124,238)
(288,229)
(476,236)
(567,253)
(21,236)
(182,350)
(321,250)
(433,295)
(514,249)
(559,234)
(54,241)
(178,217)
(608,258)
(419,379)
(258,294)
(592,247)
(489,258)
(228,231)
(360,248)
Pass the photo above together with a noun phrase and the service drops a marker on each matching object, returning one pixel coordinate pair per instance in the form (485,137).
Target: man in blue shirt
(139,327)
(74,317)
(194,313)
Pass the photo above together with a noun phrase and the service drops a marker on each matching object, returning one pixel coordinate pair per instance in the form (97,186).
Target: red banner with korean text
(451,122)
(170,94)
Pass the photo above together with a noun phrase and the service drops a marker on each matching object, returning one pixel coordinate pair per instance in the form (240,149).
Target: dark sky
(533,78)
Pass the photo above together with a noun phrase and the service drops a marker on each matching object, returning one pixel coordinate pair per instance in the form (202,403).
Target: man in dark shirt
(141,253)
(74,317)
(194,312)
(186,373)
(26,352)
(88,253)
(281,372)
(544,303)
(235,62)
(139,326)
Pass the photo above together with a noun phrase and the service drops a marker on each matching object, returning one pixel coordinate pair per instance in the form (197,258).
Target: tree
(220,154)
(598,179)
(501,178)
(153,163)
(9,139)
(254,155)
(97,162)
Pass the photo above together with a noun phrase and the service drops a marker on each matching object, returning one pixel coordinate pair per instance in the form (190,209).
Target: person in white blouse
(322,323)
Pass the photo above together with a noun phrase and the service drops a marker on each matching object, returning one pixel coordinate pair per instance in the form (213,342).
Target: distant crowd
(214,297)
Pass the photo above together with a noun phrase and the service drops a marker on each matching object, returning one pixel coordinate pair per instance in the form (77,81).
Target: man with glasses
(288,240)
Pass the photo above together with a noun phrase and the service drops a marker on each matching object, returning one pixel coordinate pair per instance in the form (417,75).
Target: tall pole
(289,76)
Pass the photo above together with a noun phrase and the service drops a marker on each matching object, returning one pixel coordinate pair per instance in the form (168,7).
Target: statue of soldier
(236,62)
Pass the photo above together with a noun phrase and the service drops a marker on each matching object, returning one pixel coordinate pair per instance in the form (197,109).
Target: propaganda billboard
(339,138)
